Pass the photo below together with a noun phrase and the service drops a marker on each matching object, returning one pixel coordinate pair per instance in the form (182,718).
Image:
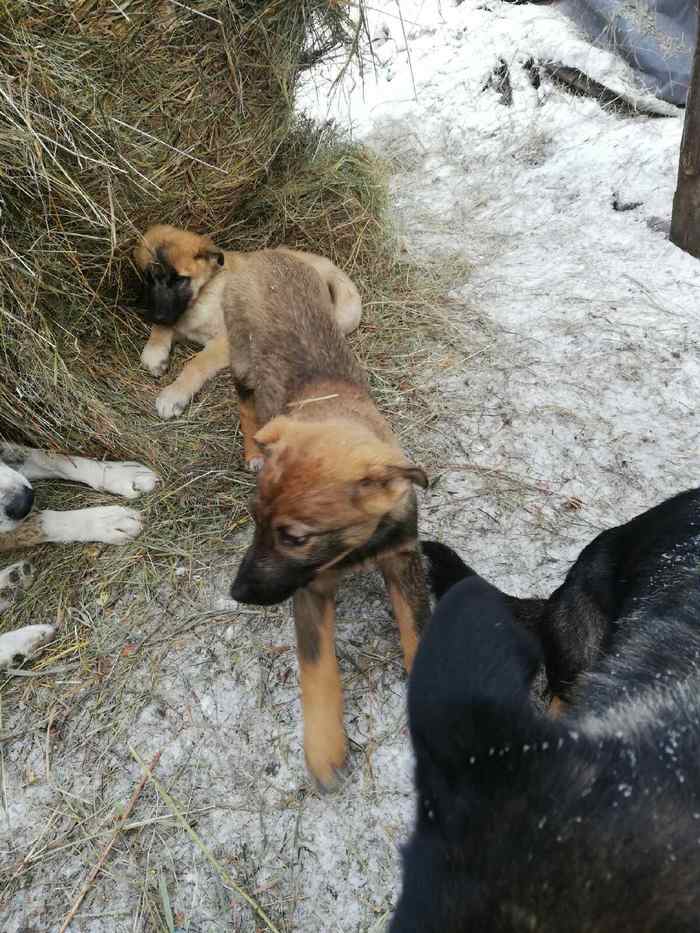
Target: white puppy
(20,526)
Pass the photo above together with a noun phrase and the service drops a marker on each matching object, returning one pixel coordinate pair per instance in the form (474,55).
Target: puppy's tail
(446,568)
(347,304)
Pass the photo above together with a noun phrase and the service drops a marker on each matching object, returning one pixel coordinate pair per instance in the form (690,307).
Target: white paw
(255,464)
(23,642)
(171,402)
(13,580)
(109,524)
(155,359)
(125,478)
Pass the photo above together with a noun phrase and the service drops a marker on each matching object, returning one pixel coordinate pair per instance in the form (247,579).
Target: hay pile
(110,121)
(115,116)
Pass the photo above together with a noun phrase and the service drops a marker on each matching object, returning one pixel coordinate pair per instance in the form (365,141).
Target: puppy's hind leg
(405,582)
(249,428)
(241,368)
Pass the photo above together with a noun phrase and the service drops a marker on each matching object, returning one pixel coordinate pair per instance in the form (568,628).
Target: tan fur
(308,461)
(333,477)
(325,747)
(249,427)
(194,256)
(403,610)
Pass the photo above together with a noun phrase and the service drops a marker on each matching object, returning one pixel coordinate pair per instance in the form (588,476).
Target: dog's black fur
(586,823)
(445,568)
(612,576)
(166,294)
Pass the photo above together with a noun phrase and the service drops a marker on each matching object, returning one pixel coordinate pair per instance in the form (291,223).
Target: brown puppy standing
(184,290)
(335,491)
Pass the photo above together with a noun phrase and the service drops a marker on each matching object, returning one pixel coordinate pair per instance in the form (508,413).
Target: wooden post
(685,219)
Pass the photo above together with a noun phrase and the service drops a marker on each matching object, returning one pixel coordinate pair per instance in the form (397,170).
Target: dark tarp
(656,37)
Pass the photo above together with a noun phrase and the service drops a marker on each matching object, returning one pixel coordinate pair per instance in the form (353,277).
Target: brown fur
(333,478)
(196,257)
(26,534)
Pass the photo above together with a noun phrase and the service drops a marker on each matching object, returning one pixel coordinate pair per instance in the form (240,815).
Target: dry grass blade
(148,773)
(217,866)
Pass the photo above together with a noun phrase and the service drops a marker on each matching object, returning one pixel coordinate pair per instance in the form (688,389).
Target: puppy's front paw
(255,464)
(13,580)
(111,524)
(128,479)
(108,524)
(326,750)
(171,402)
(24,642)
(155,359)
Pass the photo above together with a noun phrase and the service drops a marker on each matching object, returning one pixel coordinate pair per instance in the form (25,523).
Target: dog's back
(283,336)
(640,563)
(645,561)
(586,823)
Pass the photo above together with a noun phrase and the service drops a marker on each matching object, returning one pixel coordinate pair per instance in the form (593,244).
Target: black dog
(586,823)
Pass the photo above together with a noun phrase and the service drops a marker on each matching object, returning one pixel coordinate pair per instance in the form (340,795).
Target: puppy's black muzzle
(166,296)
(261,581)
(163,305)
(20,505)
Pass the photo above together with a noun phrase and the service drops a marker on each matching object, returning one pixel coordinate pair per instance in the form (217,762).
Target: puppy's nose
(241,591)
(20,505)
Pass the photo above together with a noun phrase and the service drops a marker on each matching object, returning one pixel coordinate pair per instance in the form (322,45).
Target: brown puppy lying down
(335,491)
(184,287)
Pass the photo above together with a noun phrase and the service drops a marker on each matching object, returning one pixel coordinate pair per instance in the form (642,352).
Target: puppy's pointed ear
(270,440)
(410,472)
(384,484)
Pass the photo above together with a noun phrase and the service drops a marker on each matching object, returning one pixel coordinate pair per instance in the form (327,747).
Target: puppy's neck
(203,318)
(345,402)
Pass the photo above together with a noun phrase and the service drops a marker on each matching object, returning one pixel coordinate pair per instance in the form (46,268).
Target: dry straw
(115,116)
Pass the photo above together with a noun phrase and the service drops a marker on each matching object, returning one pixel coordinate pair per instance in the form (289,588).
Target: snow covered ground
(586,382)
(567,402)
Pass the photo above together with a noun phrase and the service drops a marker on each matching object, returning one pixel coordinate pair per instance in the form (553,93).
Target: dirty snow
(566,402)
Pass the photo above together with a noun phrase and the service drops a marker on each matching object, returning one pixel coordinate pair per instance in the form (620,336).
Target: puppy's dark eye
(290,540)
